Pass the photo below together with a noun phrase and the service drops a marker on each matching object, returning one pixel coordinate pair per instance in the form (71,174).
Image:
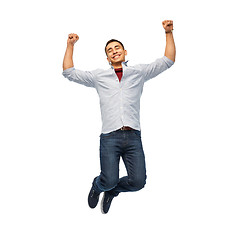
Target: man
(119,89)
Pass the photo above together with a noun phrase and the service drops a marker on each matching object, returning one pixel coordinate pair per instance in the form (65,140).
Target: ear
(125,52)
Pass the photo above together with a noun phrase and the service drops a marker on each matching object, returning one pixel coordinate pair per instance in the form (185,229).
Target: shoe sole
(101,206)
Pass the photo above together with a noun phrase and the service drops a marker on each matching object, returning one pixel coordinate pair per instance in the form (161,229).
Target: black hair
(110,41)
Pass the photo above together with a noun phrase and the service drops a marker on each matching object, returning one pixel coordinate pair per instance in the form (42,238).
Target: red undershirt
(119,73)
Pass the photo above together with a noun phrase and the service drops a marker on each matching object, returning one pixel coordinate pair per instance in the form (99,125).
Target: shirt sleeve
(85,78)
(151,70)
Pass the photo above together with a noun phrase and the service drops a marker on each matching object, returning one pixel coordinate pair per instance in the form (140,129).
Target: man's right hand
(72,39)
(68,57)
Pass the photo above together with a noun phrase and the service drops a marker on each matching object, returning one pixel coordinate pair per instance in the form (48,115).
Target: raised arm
(170,50)
(68,58)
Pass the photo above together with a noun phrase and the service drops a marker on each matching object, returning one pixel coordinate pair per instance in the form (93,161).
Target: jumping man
(119,89)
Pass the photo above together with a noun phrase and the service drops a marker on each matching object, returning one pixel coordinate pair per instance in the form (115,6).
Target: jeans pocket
(137,133)
(106,135)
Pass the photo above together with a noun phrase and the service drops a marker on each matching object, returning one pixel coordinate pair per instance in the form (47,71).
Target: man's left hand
(168,25)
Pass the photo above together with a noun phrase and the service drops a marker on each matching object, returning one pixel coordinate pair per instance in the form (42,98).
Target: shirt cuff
(168,61)
(68,70)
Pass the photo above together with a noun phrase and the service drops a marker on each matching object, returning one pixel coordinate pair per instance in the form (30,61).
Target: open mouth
(116,56)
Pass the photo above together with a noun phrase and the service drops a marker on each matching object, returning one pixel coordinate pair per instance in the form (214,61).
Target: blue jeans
(128,145)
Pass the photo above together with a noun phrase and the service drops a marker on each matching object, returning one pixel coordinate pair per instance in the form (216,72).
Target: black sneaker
(93,198)
(106,202)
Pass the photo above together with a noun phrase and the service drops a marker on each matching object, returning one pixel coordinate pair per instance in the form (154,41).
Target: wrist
(171,31)
(70,45)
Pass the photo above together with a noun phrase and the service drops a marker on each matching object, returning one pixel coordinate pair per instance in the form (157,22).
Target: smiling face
(115,54)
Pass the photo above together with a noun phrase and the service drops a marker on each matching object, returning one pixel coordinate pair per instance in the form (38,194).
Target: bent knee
(138,184)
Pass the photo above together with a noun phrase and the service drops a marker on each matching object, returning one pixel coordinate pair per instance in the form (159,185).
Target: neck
(117,65)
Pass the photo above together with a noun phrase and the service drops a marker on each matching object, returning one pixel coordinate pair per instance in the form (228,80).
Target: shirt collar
(123,63)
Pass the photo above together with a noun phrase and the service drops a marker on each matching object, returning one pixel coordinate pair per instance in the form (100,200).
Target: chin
(118,61)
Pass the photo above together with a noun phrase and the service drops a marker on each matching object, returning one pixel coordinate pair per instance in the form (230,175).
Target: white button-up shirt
(119,101)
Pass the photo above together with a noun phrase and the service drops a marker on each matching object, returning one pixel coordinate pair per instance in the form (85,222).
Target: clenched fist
(168,25)
(72,38)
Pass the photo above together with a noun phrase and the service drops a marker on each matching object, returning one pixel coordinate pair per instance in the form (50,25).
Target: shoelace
(93,192)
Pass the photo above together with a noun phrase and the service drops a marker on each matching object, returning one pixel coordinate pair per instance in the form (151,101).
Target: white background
(50,127)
